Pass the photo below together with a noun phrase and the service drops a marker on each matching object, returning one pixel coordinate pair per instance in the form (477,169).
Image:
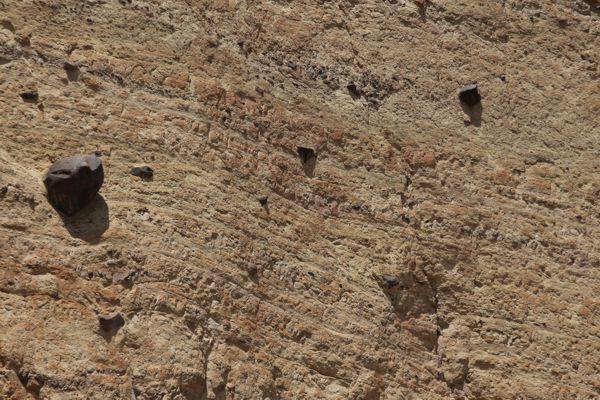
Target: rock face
(489,223)
(71,183)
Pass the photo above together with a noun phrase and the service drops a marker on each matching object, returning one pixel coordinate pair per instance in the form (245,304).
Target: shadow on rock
(474,113)
(90,223)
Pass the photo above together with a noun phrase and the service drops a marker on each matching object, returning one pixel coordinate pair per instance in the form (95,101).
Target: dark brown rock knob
(111,322)
(73,182)
(469,95)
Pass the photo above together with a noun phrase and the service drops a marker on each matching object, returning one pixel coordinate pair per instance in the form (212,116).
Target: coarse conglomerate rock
(425,253)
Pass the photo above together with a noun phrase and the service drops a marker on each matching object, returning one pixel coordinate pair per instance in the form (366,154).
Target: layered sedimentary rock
(428,253)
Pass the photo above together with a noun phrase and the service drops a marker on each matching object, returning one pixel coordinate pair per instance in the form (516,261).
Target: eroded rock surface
(490,226)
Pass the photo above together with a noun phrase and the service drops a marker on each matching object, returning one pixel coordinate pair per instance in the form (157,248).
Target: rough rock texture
(491,226)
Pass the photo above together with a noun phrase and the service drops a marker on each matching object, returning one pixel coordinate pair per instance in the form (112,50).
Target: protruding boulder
(263,200)
(30,97)
(389,281)
(144,172)
(72,70)
(354,90)
(111,322)
(469,95)
(308,157)
(73,182)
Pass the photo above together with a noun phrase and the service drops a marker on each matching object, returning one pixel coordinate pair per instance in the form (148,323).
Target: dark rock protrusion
(470,101)
(72,71)
(111,322)
(73,182)
(469,95)
(353,90)
(309,160)
(30,97)
(389,281)
(144,172)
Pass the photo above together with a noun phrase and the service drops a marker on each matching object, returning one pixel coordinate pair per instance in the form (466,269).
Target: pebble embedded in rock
(469,95)
(354,91)
(111,322)
(389,281)
(144,172)
(72,182)
(30,97)
(309,160)
(252,269)
(306,154)
(72,71)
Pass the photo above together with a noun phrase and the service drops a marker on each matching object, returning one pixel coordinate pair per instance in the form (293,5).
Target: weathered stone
(144,172)
(354,91)
(72,182)
(111,322)
(469,95)
(389,281)
(309,160)
(30,97)
(72,70)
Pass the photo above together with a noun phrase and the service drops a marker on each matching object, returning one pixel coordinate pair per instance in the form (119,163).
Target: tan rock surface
(491,230)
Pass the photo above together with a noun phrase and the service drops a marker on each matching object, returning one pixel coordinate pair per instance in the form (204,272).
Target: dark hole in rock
(144,172)
(354,91)
(72,71)
(469,95)
(111,322)
(30,97)
(71,183)
(389,281)
(263,200)
(309,160)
